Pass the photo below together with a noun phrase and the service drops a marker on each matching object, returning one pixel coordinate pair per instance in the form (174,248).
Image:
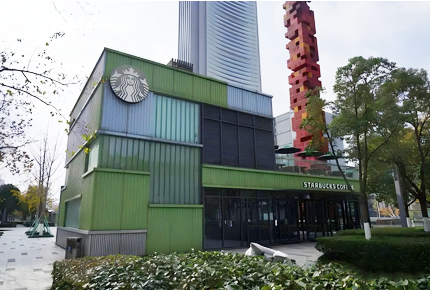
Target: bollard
(426,223)
(367,233)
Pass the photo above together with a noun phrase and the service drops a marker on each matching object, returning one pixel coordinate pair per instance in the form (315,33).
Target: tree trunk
(364,209)
(423,205)
(4,216)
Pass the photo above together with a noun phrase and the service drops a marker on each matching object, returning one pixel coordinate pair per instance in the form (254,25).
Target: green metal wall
(74,180)
(120,200)
(170,81)
(175,169)
(87,202)
(230,177)
(174,228)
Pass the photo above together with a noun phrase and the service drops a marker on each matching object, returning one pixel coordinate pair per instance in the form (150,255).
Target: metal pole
(400,198)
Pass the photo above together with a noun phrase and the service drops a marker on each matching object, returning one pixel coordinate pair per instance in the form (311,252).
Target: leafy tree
(23,86)
(411,89)
(315,124)
(29,201)
(8,200)
(364,113)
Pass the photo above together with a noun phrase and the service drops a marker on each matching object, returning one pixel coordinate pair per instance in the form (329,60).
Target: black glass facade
(234,217)
(237,139)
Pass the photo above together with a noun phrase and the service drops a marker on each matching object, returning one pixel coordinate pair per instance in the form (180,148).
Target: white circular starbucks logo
(129,84)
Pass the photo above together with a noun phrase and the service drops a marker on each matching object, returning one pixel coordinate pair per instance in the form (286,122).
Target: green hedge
(391,232)
(389,254)
(209,270)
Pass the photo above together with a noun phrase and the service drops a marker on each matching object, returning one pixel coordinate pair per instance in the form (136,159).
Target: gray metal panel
(133,244)
(248,101)
(92,82)
(64,233)
(104,245)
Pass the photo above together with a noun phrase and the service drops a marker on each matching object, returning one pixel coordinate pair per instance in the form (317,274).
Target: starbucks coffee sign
(129,84)
(322,185)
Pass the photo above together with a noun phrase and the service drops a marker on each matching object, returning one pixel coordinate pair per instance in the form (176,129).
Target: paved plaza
(304,253)
(26,264)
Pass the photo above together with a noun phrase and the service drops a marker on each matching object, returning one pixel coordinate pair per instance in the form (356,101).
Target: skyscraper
(220,39)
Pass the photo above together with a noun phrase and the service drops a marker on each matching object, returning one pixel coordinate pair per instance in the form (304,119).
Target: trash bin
(74,248)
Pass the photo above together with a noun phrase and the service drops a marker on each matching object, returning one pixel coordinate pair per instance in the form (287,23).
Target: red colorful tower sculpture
(300,22)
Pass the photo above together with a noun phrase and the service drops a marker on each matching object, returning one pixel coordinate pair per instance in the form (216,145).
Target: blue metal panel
(156,116)
(248,101)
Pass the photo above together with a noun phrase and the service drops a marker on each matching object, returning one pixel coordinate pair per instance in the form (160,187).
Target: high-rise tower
(220,39)
(299,20)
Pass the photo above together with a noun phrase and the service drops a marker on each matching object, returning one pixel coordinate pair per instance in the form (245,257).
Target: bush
(209,270)
(391,232)
(408,254)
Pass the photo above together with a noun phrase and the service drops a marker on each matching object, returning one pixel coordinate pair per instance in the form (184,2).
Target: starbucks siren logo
(129,84)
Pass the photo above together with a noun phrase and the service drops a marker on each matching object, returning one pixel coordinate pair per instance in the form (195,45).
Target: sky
(397,31)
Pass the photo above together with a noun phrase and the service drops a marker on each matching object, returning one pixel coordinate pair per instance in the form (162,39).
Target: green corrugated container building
(161,159)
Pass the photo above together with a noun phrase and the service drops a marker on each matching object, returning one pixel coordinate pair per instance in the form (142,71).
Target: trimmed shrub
(388,254)
(391,232)
(209,270)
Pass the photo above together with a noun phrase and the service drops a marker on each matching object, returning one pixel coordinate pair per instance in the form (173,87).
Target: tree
(315,124)
(363,112)
(46,163)
(8,201)
(411,89)
(23,86)
(29,201)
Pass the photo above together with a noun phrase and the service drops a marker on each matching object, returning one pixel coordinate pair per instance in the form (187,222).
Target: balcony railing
(314,167)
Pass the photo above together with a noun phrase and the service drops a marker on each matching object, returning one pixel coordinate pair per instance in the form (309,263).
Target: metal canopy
(312,153)
(287,150)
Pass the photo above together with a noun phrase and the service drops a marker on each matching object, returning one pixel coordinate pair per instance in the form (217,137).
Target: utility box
(74,248)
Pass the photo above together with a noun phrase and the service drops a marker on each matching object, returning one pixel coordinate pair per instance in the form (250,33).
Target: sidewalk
(304,253)
(26,264)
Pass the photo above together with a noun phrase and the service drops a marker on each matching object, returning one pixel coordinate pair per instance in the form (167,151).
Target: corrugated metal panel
(219,176)
(133,244)
(76,169)
(90,85)
(104,245)
(134,202)
(156,116)
(108,201)
(176,120)
(249,101)
(174,229)
(164,79)
(87,122)
(87,202)
(62,235)
(175,169)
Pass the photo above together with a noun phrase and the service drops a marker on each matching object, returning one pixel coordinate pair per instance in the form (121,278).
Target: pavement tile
(27,263)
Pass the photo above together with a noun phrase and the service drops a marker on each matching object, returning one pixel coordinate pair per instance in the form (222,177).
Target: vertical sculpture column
(299,20)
